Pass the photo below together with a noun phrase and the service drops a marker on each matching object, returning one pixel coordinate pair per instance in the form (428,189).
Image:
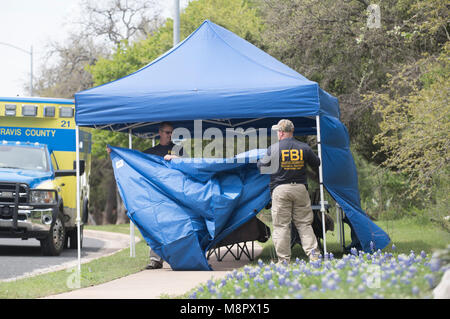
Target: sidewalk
(151,284)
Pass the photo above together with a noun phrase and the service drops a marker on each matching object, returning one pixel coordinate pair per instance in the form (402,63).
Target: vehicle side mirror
(82,166)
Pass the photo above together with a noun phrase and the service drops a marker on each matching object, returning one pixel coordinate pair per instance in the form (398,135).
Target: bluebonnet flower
(405,281)
(393,247)
(313,288)
(193,295)
(412,269)
(258,279)
(237,290)
(361,288)
(354,251)
(296,285)
(298,296)
(246,284)
(212,290)
(415,290)
(281,280)
(271,285)
(435,264)
(200,289)
(372,246)
(267,275)
(423,254)
(430,279)
(260,263)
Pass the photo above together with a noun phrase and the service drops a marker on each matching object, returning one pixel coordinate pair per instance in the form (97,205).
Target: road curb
(114,243)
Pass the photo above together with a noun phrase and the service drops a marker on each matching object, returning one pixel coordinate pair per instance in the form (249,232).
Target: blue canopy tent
(219,78)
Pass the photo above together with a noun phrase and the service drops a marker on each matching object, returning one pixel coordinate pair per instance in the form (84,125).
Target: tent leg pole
(322,204)
(78,220)
(132,241)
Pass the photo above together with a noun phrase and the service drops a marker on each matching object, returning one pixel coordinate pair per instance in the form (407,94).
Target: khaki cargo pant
(290,202)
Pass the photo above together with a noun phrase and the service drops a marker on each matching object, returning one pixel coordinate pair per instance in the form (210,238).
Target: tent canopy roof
(212,75)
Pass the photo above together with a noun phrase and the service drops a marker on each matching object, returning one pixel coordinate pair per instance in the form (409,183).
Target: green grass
(93,273)
(406,234)
(417,234)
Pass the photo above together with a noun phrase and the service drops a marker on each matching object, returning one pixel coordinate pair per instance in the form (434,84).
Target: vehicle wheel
(85,211)
(53,244)
(73,240)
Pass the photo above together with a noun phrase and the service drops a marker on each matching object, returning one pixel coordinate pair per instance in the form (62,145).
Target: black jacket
(286,161)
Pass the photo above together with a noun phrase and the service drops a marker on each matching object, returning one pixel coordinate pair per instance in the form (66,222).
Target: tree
(68,74)
(120,20)
(330,42)
(128,57)
(415,126)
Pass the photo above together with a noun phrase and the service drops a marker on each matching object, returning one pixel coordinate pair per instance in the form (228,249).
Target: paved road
(22,258)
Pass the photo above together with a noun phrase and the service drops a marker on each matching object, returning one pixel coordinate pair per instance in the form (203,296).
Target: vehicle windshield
(15,156)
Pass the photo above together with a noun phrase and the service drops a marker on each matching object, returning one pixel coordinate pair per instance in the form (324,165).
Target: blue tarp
(216,76)
(183,207)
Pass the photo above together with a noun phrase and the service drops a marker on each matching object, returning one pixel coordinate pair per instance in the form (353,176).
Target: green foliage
(415,126)
(235,15)
(383,193)
(331,43)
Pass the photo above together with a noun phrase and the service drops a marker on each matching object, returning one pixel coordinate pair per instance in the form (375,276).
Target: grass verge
(404,269)
(93,273)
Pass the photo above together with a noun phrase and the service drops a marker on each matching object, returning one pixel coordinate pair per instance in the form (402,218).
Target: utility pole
(176,22)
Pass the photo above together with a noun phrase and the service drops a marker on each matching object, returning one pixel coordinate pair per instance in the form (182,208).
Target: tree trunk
(122,217)
(109,214)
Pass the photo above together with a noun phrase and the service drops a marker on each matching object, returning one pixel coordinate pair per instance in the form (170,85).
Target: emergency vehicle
(37,172)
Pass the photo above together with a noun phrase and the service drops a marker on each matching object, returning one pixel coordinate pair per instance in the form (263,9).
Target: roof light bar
(10,110)
(29,110)
(49,111)
(65,111)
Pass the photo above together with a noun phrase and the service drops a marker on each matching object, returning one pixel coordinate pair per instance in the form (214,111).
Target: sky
(34,23)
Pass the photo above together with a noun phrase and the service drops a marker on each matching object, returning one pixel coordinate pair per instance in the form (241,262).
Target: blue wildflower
(372,246)
(423,254)
(435,264)
(246,284)
(271,285)
(267,275)
(260,263)
(430,279)
(393,247)
(237,290)
(313,288)
(415,290)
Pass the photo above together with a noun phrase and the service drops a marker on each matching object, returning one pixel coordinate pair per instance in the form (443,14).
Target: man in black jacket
(288,185)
